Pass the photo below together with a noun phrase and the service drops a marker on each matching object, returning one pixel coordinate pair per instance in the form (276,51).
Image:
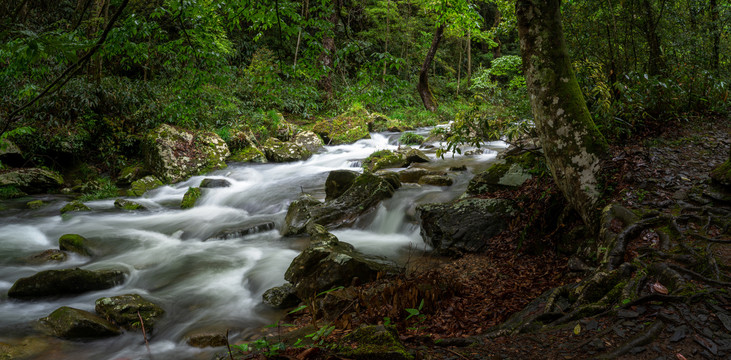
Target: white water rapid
(202,283)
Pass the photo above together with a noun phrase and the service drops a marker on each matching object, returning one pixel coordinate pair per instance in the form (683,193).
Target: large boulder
(141,186)
(74,324)
(463,225)
(338,181)
(65,282)
(384,159)
(328,263)
(31,180)
(126,310)
(240,138)
(361,197)
(281,297)
(413,174)
(174,154)
(507,173)
(309,140)
(346,128)
(284,151)
(248,154)
(10,154)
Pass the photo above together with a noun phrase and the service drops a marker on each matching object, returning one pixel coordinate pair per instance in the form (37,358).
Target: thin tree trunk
(305,7)
(469,58)
(423,85)
(571,142)
(655,64)
(328,50)
(459,67)
(715,36)
(388,34)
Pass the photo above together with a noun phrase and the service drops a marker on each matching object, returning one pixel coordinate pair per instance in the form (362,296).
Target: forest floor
(465,297)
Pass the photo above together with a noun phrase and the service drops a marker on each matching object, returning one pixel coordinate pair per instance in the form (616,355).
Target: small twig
(144,334)
(228,346)
(455,353)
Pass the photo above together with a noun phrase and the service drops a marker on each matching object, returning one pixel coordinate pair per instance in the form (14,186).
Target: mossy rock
(410,138)
(206,339)
(11,192)
(141,186)
(46,256)
(248,154)
(75,205)
(376,342)
(436,180)
(64,282)
(125,204)
(26,348)
(74,243)
(722,174)
(74,324)
(130,174)
(190,197)
(378,122)
(338,181)
(346,128)
(281,297)
(284,151)
(507,173)
(31,180)
(384,159)
(123,310)
(209,183)
(35,204)
(413,174)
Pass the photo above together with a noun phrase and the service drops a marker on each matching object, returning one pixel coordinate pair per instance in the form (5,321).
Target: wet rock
(391,177)
(463,225)
(75,205)
(384,159)
(281,297)
(510,172)
(415,156)
(130,174)
(366,192)
(190,197)
(240,138)
(174,154)
(328,263)
(436,180)
(722,174)
(47,256)
(413,174)
(458,168)
(244,231)
(35,204)
(70,323)
(279,151)
(141,186)
(346,128)
(64,282)
(125,204)
(208,183)
(31,180)
(248,154)
(376,342)
(27,348)
(338,181)
(74,243)
(206,339)
(309,141)
(680,333)
(123,310)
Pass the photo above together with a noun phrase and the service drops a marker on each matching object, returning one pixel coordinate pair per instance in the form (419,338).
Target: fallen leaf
(659,288)
(680,356)
(577,329)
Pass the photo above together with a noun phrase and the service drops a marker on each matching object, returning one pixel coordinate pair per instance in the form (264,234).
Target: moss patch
(144,185)
(383,159)
(74,206)
(190,197)
(248,154)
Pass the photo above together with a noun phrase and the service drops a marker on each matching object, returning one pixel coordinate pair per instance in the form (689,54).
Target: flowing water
(172,258)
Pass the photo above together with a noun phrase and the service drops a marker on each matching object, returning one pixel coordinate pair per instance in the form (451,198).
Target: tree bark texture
(423,86)
(572,144)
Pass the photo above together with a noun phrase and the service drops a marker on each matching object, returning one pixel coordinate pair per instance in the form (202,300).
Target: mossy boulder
(130,174)
(74,324)
(30,347)
(410,138)
(209,183)
(10,154)
(248,154)
(74,243)
(190,197)
(463,225)
(722,174)
(375,342)
(125,204)
(414,156)
(46,256)
(384,159)
(141,186)
(123,310)
(328,263)
(338,181)
(31,180)
(35,204)
(173,154)
(65,282)
(281,297)
(367,191)
(436,180)
(75,205)
(413,174)
(346,128)
(379,123)
(309,140)
(240,138)
(284,151)
(509,172)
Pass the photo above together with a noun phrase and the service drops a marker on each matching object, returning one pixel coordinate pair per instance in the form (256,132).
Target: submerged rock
(190,197)
(75,205)
(125,204)
(123,310)
(31,180)
(74,243)
(361,197)
(174,154)
(243,231)
(35,204)
(48,256)
(206,339)
(338,181)
(141,186)
(74,324)
(65,282)
(281,151)
(463,225)
(375,342)
(281,297)
(328,263)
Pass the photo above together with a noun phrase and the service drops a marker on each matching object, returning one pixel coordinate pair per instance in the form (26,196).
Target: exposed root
(700,277)
(640,339)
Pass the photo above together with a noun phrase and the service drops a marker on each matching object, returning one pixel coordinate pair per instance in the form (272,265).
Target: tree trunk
(571,142)
(655,63)
(469,59)
(423,86)
(328,50)
(715,36)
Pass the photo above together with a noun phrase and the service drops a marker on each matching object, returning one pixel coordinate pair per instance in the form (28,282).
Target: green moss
(10,192)
(410,138)
(376,342)
(35,204)
(383,159)
(248,154)
(190,197)
(143,185)
(74,243)
(347,128)
(722,173)
(75,205)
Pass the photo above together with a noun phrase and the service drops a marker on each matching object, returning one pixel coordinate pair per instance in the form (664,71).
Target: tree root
(616,255)
(640,339)
(700,277)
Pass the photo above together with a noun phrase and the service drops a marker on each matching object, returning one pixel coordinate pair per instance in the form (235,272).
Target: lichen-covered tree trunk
(423,86)
(572,144)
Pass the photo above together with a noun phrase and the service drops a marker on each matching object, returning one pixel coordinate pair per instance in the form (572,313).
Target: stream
(171,258)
